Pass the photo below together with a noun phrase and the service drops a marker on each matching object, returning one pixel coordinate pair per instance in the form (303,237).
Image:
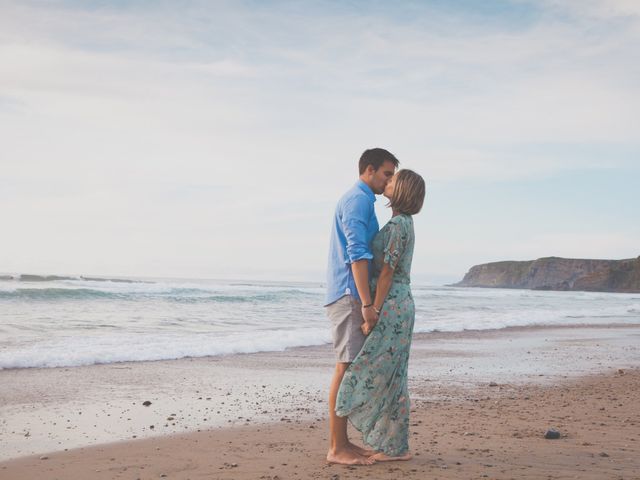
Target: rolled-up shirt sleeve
(355,218)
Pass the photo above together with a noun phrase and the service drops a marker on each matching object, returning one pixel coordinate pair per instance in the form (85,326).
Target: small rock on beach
(552,434)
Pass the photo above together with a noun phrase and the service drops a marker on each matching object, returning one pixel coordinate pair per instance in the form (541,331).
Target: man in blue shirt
(348,301)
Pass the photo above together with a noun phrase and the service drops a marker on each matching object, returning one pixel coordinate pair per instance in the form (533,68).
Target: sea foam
(74,321)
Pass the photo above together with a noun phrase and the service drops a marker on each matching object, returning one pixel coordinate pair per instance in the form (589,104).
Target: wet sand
(264,415)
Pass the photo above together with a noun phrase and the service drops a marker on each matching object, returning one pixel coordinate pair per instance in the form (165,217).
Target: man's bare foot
(382,457)
(361,451)
(348,457)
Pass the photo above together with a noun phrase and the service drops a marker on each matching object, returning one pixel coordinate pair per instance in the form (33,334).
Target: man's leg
(346,318)
(340,449)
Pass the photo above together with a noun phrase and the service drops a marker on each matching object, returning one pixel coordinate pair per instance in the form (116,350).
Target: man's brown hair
(376,157)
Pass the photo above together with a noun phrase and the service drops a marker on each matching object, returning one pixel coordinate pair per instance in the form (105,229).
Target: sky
(207,139)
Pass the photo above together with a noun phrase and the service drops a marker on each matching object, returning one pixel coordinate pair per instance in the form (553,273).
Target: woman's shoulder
(401,219)
(401,223)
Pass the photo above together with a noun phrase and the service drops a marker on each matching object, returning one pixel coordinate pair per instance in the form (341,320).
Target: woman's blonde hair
(408,194)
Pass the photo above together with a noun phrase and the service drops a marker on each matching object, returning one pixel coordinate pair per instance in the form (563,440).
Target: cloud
(614,245)
(598,9)
(114,114)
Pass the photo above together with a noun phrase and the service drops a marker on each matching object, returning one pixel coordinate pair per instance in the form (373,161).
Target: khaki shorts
(346,319)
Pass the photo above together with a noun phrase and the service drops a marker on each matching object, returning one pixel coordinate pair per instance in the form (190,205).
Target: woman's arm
(382,288)
(393,251)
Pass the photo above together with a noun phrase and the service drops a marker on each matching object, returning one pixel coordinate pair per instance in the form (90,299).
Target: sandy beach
(481,404)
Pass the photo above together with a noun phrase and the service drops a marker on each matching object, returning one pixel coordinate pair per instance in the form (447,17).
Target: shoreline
(434,334)
(50,409)
(487,432)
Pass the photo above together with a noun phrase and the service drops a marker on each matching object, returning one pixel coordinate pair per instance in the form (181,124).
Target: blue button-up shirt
(354,226)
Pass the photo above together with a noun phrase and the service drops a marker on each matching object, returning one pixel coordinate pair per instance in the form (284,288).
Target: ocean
(66,321)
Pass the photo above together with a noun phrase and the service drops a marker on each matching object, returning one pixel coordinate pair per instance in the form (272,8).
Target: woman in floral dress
(373,393)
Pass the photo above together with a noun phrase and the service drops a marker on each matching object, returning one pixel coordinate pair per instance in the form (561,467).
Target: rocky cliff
(554,273)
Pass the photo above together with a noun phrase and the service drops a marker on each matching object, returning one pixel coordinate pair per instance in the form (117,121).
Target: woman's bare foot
(382,457)
(348,457)
(362,451)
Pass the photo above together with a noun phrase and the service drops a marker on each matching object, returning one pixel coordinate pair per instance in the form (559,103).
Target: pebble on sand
(552,434)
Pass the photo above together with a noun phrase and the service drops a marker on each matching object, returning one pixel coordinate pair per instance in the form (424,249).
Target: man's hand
(370,319)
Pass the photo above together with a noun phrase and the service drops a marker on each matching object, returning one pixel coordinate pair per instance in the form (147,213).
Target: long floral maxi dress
(373,393)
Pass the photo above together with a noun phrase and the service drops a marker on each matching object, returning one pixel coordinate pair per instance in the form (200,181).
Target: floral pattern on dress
(373,393)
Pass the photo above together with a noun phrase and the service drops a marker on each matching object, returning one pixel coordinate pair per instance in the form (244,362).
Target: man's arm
(354,223)
(360,271)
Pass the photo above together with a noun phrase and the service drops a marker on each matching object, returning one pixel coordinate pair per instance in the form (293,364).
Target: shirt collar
(366,189)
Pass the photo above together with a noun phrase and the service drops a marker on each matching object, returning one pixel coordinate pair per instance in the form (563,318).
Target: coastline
(251,398)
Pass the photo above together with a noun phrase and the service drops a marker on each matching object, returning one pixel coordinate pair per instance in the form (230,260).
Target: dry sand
(462,426)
